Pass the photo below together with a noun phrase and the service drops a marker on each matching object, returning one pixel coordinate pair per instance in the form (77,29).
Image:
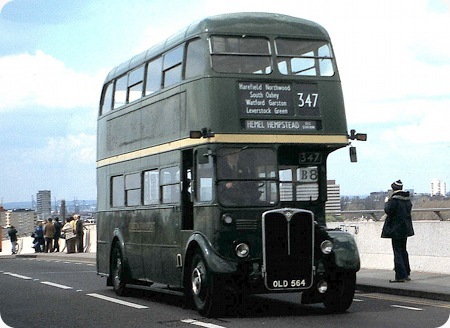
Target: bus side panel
(157,121)
(161,244)
(123,229)
(103,244)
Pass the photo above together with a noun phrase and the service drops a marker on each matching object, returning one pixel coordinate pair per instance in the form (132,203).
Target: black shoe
(408,278)
(398,280)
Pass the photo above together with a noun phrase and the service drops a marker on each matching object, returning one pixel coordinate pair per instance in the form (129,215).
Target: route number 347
(307,99)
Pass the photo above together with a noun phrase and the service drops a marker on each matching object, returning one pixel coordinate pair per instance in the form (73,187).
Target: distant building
(333,204)
(438,188)
(22,219)
(43,204)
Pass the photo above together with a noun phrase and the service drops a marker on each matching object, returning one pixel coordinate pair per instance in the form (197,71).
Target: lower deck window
(151,187)
(170,185)
(117,191)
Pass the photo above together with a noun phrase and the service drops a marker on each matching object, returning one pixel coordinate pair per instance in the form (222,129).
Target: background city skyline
(393,59)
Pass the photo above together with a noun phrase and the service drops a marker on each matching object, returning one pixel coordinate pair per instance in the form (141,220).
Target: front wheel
(202,287)
(118,271)
(339,296)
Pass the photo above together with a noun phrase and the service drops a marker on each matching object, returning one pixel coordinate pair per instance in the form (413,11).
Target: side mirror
(357,136)
(353,157)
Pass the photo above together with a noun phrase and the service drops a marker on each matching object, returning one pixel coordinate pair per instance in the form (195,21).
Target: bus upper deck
(280,80)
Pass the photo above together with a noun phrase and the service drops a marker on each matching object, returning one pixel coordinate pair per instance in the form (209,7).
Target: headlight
(326,247)
(322,286)
(227,218)
(242,250)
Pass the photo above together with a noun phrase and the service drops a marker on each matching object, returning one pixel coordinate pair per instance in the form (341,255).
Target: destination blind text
(261,99)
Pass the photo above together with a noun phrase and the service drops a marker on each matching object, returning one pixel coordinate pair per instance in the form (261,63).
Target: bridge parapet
(377,215)
(428,249)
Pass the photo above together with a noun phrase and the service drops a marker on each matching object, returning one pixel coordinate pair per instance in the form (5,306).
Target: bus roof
(235,23)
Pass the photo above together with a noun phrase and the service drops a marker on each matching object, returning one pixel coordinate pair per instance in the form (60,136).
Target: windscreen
(246,176)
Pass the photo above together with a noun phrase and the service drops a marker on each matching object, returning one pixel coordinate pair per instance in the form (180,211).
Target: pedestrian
(58,227)
(69,235)
(49,233)
(398,226)
(12,233)
(80,233)
(39,241)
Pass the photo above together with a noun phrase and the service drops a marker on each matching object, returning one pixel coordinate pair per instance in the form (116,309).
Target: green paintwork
(151,237)
(345,251)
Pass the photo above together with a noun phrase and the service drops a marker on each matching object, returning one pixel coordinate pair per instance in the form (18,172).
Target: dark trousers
(56,244)
(79,243)
(48,244)
(401,259)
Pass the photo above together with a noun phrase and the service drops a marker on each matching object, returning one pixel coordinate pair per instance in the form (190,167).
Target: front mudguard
(219,265)
(345,255)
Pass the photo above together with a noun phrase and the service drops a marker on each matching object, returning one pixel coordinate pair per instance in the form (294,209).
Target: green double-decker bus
(211,165)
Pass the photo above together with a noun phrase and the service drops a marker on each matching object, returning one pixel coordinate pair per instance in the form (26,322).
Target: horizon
(55,55)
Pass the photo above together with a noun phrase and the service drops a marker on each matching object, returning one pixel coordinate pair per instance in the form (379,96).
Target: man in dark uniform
(398,226)
(235,189)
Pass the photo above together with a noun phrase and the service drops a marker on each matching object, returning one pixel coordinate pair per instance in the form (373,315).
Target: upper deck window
(172,66)
(154,75)
(240,54)
(195,54)
(120,93)
(304,57)
(107,99)
(135,84)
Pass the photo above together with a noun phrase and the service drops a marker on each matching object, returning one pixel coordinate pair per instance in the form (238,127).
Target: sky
(393,58)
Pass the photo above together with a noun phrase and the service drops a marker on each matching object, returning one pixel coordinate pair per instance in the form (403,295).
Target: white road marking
(115,300)
(407,307)
(357,300)
(55,285)
(447,324)
(17,275)
(3,324)
(201,324)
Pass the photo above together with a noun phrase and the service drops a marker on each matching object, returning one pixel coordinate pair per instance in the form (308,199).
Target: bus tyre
(118,271)
(339,296)
(202,288)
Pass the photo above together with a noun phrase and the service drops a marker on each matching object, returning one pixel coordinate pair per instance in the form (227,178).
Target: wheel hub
(196,281)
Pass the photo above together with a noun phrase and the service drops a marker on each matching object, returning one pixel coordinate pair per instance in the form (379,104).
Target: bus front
(274,111)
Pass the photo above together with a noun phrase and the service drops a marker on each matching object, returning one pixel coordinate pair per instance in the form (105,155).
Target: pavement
(435,286)
(426,285)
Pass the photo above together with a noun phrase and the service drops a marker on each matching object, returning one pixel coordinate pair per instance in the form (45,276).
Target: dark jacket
(12,234)
(58,227)
(398,224)
(39,233)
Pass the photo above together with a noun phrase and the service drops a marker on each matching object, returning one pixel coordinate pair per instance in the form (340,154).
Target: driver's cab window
(246,176)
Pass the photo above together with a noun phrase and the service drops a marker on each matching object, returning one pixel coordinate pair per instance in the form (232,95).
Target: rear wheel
(339,296)
(118,271)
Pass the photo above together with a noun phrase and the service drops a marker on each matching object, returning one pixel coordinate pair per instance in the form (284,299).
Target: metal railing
(380,212)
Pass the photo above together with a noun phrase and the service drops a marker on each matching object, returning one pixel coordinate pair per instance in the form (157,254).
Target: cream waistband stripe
(226,138)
